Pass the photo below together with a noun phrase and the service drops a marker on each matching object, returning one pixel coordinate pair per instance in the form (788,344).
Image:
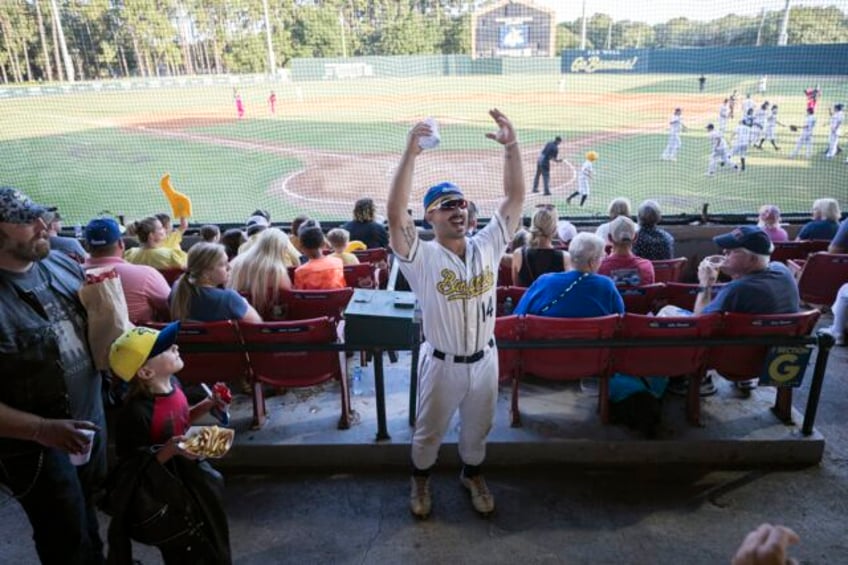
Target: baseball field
(331,142)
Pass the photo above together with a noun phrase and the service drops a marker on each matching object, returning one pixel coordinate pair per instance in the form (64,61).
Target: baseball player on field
(718,150)
(741,139)
(748,104)
(454,279)
(837,117)
(770,133)
(805,140)
(723,114)
(674,127)
(759,125)
(587,173)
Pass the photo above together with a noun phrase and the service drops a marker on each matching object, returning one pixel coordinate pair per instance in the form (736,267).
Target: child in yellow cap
(153,422)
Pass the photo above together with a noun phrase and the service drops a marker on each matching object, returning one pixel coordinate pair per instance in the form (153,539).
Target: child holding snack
(157,474)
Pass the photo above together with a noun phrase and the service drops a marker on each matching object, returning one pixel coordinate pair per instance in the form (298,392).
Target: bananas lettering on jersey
(455,288)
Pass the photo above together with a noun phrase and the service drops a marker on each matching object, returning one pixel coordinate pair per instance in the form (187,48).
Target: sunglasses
(459,203)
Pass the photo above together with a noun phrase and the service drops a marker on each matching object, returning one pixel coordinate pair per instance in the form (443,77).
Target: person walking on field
(837,117)
(543,164)
(454,279)
(723,114)
(805,140)
(770,133)
(584,177)
(741,139)
(239,106)
(675,125)
(272,102)
(718,150)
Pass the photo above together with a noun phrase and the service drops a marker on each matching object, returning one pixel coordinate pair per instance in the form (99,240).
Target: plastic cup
(714,260)
(83,457)
(430,141)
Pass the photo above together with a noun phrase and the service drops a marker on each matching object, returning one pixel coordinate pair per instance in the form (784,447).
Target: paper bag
(108,317)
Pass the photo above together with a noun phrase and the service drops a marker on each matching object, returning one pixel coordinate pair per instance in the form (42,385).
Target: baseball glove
(793,128)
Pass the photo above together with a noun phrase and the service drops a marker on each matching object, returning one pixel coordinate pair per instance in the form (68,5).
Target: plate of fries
(208,441)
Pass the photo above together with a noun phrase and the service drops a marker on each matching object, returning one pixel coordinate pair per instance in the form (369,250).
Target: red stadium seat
(669,270)
(508,328)
(379,257)
(306,304)
(362,275)
(513,292)
(213,366)
(788,250)
(567,364)
(740,363)
(683,295)
(171,275)
(640,299)
(821,277)
(504,275)
(294,368)
(667,361)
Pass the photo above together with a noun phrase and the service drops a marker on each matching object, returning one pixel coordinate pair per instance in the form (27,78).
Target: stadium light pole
(341,25)
(583,30)
(272,61)
(783,38)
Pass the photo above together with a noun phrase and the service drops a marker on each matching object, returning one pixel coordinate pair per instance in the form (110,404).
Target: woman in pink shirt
(770,223)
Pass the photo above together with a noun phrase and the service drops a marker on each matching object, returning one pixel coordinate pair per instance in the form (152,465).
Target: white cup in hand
(83,457)
(432,140)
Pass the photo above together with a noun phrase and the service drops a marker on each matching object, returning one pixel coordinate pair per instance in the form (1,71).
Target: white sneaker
(481,498)
(420,502)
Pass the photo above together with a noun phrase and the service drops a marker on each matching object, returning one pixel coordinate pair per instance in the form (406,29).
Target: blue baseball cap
(440,193)
(751,238)
(17,208)
(101,232)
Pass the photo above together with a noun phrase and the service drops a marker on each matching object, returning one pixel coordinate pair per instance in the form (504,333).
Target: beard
(35,249)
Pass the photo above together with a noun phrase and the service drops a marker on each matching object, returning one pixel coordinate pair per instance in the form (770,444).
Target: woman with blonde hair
(153,251)
(539,256)
(826,215)
(199,295)
(261,272)
(618,207)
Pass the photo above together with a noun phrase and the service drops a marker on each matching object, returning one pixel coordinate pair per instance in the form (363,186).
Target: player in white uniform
(723,115)
(759,125)
(674,127)
(770,133)
(584,178)
(748,104)
(806,137)
(741,139)
(454,279)
(837,117)
(718,150)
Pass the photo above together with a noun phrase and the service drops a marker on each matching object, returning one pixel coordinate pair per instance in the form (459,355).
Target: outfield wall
(830,59)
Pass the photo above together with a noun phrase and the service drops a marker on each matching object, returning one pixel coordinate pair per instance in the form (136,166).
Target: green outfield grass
(86,154)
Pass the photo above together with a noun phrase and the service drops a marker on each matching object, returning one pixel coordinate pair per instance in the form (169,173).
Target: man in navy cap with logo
(50,391)
(758,286)
(454,279)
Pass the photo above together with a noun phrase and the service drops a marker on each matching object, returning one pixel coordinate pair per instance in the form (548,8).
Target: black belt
(473,358)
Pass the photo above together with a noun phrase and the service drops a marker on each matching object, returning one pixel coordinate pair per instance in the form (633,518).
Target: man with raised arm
(454,278)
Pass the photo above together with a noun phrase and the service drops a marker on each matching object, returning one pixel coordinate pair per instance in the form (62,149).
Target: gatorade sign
(785,366)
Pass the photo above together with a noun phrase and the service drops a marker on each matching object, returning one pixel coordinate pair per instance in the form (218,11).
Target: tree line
(67,40)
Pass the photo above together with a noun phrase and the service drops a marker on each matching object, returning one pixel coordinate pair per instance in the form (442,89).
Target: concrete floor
(567,489)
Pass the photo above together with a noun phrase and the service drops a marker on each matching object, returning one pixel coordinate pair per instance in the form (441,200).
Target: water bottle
(357,380)
(508,306)
(78,231)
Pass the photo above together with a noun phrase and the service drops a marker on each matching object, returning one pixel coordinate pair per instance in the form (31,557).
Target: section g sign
(785,366)
(595,63)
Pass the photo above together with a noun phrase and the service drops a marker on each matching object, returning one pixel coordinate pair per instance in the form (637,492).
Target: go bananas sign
(785,366)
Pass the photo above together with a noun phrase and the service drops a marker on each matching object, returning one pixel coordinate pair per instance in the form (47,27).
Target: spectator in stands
(769,222)
(825,220)
(757,286)
(198,295)
(232,240)
(296,224)
(173,237)
(321,272)
(473,214)
(839,243)
(578,293)
(152,250)
(254,226)
(618,207)
(210,233)
(363,227)
(621,265)
(70,246)
(539,256)
(50,391)
(145,289)
(840,315)
(339,239)
(653,243)
(261,272)
(564,234)
(519,240)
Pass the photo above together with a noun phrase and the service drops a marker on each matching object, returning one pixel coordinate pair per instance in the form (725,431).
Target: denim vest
(31,374)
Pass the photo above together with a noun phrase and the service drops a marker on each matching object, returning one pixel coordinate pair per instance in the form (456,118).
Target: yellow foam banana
(180,203)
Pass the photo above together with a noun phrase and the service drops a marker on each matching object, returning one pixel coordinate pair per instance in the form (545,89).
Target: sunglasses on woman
(459,203)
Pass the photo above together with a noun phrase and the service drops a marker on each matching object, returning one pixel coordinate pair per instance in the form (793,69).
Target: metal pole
(272,61)
(341,25)
(783,38)
(583,31)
